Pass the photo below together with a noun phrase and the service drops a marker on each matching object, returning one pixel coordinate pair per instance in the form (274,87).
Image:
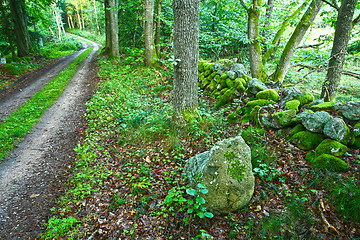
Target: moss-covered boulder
(252,116)
(356,144)
(337,129)
(268,94)
(232,117)
(351,110)
(232,75)
(226,172)
(356,129)
(292,105)
(260,102)
(322,106)
(279,119)
(306,98)
(224,99)
(229,83)
(315,122)
(256,86)
(330,162)
(307,140)
(331,147)
(238,84)
(298,128)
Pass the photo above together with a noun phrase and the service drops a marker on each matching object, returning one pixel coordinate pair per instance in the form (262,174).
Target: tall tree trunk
(186,54)
(71,21)
(295,39)
(96,18)
(78,14)
(339,50)
(20,27)
(158,27)
(148,31)
(256,66)
(111,27)
(82,15)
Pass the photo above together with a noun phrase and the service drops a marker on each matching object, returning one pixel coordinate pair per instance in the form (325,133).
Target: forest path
(32,175)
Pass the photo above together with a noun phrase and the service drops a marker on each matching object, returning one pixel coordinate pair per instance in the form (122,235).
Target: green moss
(208,66)
(356,130)
(239,85)
(298,128)
(221,100)
(356,143)
(212,85)
(212,76)
(294,104)
(232,117)
(217,78)
(306,98)
(322,106)
(331,147)
(348,137)
(268,94)
(224,76)
(330,162)
(285,117)
(260,102)
(288,85)
(229,83)
(306,140)
(252,116)
(247,78)
(236,169)
(310,156)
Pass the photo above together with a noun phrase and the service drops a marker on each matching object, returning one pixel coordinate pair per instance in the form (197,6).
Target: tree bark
(149,31)
(96,18)
(111,28)
(7,27)
(20,27)
(339,50)
(186,55)
(295,39)
(158,28)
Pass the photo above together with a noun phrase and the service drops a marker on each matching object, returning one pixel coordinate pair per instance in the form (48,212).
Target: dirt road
(32,176)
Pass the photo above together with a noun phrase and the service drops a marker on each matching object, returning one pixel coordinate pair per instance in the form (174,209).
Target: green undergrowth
(57,49)
(15,127)
(89,35)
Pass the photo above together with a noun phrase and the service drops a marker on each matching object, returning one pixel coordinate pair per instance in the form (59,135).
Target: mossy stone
(217,78)
(356,130)
(239,85)
(226,98)
(208,66)
(293,104)
(213,75)
(298,128)
(223,83)
(331,147)
(229,83)
(207,73)
(306,98)
(279,119)
(252,116)
(356,143)
(306,140)
(212,85)
(330,162)
(247,78)
(259,102)
(232,117)
(224,76)
(348,137)
(269,94)
(322,106)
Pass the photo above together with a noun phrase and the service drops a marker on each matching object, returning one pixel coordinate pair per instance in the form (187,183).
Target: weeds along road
(32,176)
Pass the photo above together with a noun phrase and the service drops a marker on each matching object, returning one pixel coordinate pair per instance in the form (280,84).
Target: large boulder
(315,122)
(226,172)
(290,93)
(279,119)
(307,140)
(256,86)
(351,110)
(239,69)
(335,129)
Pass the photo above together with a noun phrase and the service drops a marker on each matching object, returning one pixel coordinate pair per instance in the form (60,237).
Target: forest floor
(32,176)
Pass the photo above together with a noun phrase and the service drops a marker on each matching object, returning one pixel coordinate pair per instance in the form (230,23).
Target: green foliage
(89,35)
(59,227)
(20,122)
(18,68)
(55,49)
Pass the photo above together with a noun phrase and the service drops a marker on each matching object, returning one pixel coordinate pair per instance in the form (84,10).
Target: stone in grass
(226,172)
(292,105)
(322,106)
(278,120)
(298,128)
(330,162)
(307,140)
(268,94)
(351,110)
(256,86)
(315,122)
(356,130)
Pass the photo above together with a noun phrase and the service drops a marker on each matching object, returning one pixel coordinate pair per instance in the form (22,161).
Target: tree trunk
(149,31)
(158,28)
(6,25)
(186,55)
(295,39)
(82,15)
(256,66)
(78,14)
(111,27)
(20,27)
(96,18)
(339,50)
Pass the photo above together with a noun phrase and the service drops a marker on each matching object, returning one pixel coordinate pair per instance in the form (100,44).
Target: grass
(15,127)
(89,35)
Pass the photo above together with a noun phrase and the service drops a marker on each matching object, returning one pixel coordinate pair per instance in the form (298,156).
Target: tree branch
(320,69)
(311,45)
(355,21)
(244,5)
(332,4)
